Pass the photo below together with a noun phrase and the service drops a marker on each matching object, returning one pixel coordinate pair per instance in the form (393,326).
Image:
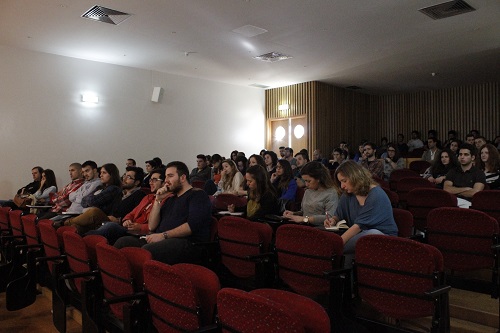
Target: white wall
(43,122)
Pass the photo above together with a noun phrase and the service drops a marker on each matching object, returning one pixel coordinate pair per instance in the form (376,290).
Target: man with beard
(370,161)
(465,180)
(183,219)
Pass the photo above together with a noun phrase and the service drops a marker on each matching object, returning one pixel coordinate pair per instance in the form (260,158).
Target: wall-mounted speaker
(157,91)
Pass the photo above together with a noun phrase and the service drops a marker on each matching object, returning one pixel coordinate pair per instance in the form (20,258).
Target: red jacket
(140,213)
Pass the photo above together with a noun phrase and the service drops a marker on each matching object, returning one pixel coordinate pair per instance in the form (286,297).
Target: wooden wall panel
(335,114)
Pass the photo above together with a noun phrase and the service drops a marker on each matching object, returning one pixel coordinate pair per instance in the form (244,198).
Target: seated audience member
(479,142)
(436,173)
(183,219)
(262,199)
(344,146)
(270,158)
(452,135)
(320,197)
(382,148)
(415,141)
(370,161)
(150,166)
(60,201)
(434,134)
(496,142)
(393,161)
(466,179)
(262,152)
(474,132)
(202,171)
(241,163)
(302,159)
(231,179)
(282,151)
(256,160)
(234,154)
(289,157)
(48,185)
(363,205)
(431,154)
(401,145)
(359,154)
(132,195)
(22,196)
(106,197)
(135,221)
(339,157)
(215,173)
(318,158)
(490,165)
(284,183)
(453,146)
(130,162)
(470,138)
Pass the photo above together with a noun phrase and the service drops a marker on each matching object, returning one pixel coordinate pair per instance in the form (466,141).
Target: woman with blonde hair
(231,178)
(363,205)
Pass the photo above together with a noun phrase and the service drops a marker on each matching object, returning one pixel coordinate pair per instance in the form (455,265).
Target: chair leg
(22,292)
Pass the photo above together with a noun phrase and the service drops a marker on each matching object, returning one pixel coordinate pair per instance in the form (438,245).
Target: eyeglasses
(128,177)
(153,180)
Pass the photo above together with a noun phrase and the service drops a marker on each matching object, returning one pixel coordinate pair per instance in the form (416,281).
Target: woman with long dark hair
(490,164)
(284,183)
(271,159)
(262,199)
(436,173)
(319,198)
(48,185)
(393,161)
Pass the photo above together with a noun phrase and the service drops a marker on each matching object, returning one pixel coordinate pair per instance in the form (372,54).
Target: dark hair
(360,177)
(432,138)
(290,150)
(481,137)
(260,160)
(286,177)
(114,173)
(234,152)
(160,171)
(282,147)
(39,168)
(319,172)
(470,135)
(476,131)
(50,179)
(181,167)
(417,133)
(452,132)
(432,133)
(371,144)
(133,161)
(402,135)
(304,155)
(493,163)
(245,163)
(158,161)
(91,164)
(341,152)
(262,152)
(472,149)
(397,155)
(202,156)
(438,168)
(273,155)
(384,138)
(459,142)
(261,177)
(139,173)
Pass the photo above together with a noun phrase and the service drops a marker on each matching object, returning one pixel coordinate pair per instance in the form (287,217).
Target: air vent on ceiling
(273,57)
(106,15)
(447,9)
(257,85)
(353,88)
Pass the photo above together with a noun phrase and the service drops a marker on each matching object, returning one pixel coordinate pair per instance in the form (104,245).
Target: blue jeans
(111,230)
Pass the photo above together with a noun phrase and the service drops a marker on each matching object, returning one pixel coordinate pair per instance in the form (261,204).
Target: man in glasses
(136,221)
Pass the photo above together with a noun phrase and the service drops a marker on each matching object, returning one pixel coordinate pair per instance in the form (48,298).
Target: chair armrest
(437,291)
(209,328)
(78,275)
(34,246)
(262,257)
(337,272)
(419,238)
(54,258)
(125,298)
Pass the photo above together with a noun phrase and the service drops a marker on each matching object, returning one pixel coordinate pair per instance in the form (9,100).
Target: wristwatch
(165,235)
(305,219)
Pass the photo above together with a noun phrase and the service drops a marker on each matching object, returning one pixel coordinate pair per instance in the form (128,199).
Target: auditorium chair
(398,174)
(487,201)
(304,254)
(469,242)
(400,279)
(393,197)
(78,286)
(269,311)
(421,201)
(222,200)
(419,166)
(182,297)
(12,267)
(4,230)
(404,222)
(405,185)
(120,305)
(243,244)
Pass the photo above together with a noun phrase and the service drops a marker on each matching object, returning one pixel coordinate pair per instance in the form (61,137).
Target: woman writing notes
(320,196)
(363,205)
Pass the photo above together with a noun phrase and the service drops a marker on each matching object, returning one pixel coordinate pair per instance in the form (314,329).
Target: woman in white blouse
(231,178)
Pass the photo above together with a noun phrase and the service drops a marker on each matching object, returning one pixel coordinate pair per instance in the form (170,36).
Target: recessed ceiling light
(273,57)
